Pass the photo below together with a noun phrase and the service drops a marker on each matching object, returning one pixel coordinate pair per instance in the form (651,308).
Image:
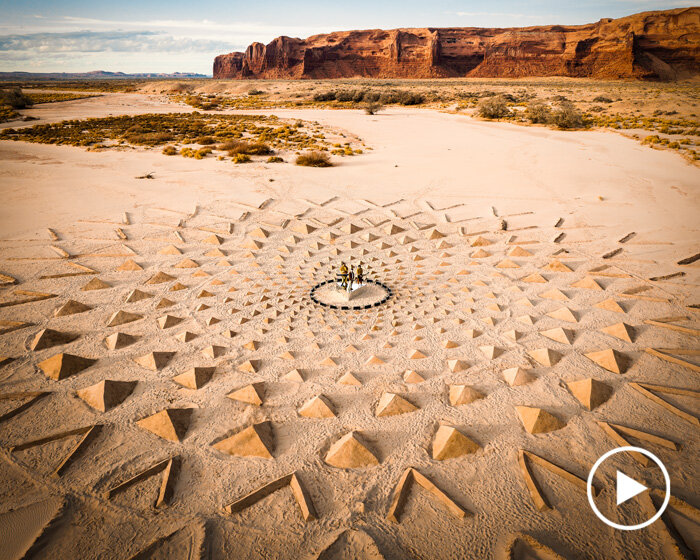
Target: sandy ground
(427,171)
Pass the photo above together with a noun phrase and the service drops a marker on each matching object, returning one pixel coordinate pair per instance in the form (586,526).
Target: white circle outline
(589,485)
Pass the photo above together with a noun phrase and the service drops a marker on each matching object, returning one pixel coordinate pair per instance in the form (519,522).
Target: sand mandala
(178,382)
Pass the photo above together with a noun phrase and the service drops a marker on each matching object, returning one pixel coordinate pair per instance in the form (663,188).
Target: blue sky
(172,35)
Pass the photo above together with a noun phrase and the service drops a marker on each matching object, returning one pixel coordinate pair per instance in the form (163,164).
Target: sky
(177,36)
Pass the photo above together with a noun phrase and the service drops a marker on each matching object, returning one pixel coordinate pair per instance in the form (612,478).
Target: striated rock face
(651,45)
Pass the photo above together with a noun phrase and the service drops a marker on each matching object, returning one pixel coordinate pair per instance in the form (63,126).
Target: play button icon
(627,488)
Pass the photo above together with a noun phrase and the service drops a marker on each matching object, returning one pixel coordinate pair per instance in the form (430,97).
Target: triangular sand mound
(170,423)
(123,317)
(463,394)
(253,441)
(71,307)
(119,340)
(590,392)
(195,378)
(64,365)
(608,359)
(317,407)
(250,394)
(391,404)
(349,453)
(449,443)
(106,394)
(47,338)
(537,420)
(154,360)
(517,376)
(352,545)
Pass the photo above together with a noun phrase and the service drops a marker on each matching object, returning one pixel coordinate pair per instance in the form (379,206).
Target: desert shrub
(149,138)
(170,151)
(493,107)
(205,140)
(254,91)
(373,107)
(602,99)
(274,159)
(345,95)
(14,98)
(249,148)
(314,159)
(566,115)
(538,112)
(7,113)
(241,158)
(325,96)
(597,109)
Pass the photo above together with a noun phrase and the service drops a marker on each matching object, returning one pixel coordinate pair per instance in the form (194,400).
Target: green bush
(314,159)
(493,107)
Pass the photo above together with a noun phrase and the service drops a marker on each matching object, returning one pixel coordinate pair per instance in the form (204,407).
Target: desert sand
(505,247)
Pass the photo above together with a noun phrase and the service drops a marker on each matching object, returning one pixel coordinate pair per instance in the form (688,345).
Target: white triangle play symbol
(627,488)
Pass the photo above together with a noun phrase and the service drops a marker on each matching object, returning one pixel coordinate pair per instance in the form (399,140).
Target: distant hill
(651,45)
(95,75)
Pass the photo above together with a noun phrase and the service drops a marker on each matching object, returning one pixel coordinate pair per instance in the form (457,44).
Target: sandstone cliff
(651,45)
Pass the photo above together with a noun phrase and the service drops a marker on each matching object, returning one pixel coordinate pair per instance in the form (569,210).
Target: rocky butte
(661,45)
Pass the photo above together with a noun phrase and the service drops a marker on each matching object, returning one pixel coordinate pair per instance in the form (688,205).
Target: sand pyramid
(558,335)
(411,376)
(610,305)
(195,378)
(517,376)
(164,303)
(253,441)
(463,394)
(317,407)
(71,307)
(330,362)
(608,359)
(537,420)
(391,404)
(154,360)
(106,394)
(159,278)
(63,365)
(563,314)
(490,352)
(471,333)
(518,251)
(119,340)
(212,351)
(590,392)
(374,361)
(46,338)
(186,263)
(349,379)
(535,278)
(480,254)
(294,376)
(456,366)
(507,263)
(450,443)
(620,330)
(556,266)
(185,336)
(95,284)
(213,240)
(137,295)
(250,394)
(349,453)
(129,265)
(170,250)
(479,242)
(250,366)
(123,317)
(525,319)
(544,356)
(170,423)
(416,355)
(167,321)
(588,283)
